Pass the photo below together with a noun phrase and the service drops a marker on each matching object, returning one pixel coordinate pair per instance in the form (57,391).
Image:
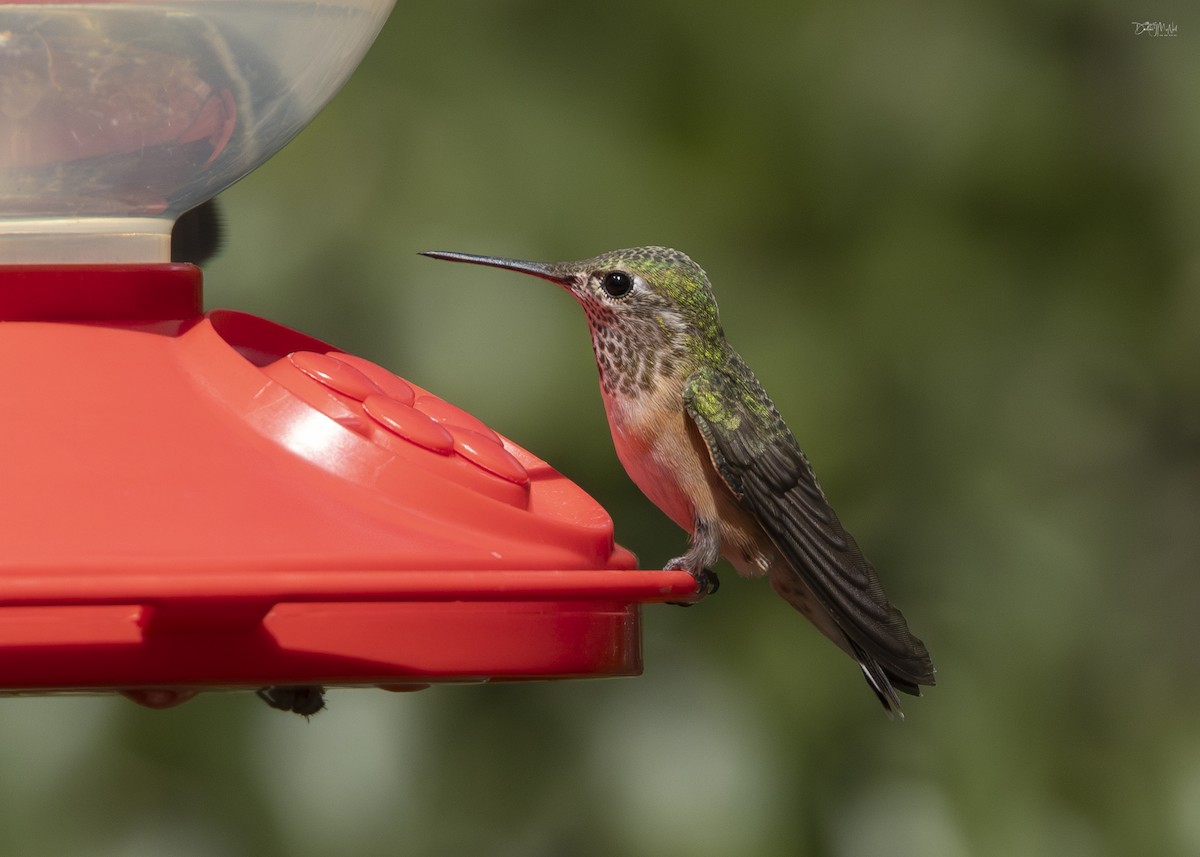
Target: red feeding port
(198,501)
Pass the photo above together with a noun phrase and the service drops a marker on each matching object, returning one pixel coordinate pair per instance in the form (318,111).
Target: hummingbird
(699,436)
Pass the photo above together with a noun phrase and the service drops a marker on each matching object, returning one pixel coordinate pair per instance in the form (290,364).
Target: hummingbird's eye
(617,284)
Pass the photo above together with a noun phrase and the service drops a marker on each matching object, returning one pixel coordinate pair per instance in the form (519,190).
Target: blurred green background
(958,245)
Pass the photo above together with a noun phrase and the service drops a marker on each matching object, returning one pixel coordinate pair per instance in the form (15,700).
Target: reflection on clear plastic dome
(115,118)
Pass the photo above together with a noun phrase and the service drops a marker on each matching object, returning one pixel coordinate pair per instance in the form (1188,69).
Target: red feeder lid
(216,501)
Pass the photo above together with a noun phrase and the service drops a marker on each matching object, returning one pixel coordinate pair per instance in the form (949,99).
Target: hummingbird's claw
(707,582)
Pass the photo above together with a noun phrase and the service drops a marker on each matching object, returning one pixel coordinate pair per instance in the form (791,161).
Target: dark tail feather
(884,683)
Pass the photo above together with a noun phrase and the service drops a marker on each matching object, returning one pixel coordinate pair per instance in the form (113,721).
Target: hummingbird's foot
(304,699)
(702,554)
(707,582)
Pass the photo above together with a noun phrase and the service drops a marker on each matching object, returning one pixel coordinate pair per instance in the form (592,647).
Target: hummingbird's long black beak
(538,269)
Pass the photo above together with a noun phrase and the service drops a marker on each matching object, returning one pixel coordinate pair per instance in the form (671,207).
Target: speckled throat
(632,357)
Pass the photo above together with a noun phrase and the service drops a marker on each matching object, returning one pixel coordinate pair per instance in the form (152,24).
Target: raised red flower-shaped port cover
(214,501)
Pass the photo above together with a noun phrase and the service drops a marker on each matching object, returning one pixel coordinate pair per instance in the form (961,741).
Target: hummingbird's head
(648,308)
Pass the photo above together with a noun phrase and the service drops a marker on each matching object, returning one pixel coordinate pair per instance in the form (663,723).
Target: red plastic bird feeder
(210,500)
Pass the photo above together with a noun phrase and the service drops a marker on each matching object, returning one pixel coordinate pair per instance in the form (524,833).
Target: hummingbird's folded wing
(769,476)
